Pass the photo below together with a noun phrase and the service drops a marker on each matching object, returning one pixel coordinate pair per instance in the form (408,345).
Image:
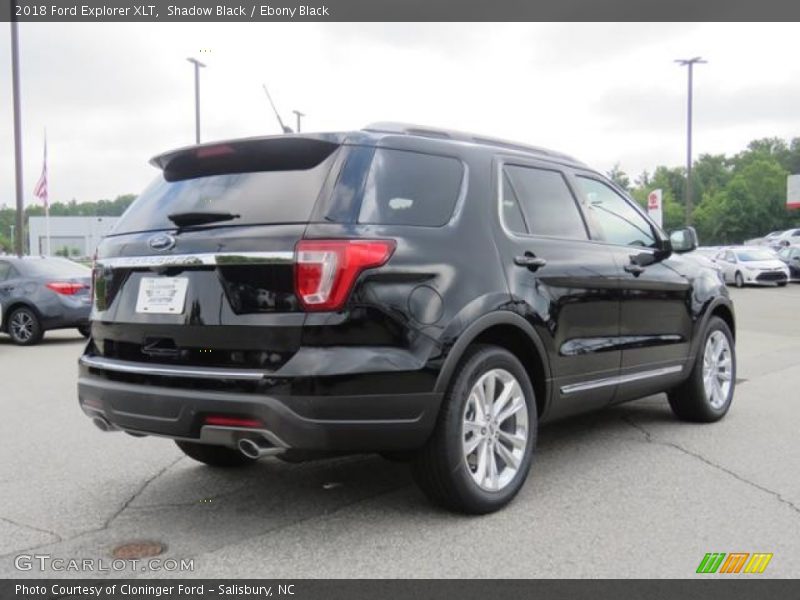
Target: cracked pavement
(625,492)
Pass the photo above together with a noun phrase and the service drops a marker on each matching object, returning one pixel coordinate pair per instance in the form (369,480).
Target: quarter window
(5,269)
(409,188)
(618,221)
(546,203)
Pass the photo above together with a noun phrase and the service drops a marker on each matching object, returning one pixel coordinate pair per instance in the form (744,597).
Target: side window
(5,270)
(546,203)
(619,222)
(730,257)
(409,188)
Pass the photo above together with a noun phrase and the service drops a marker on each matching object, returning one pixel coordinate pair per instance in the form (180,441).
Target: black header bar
(160,11)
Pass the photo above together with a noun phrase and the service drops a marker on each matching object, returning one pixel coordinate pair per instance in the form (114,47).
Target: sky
(111,96)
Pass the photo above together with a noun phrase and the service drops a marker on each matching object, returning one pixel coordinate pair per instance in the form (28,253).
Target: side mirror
(683,240)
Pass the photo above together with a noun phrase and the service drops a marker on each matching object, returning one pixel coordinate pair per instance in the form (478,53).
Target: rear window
(277,190)
(409,188)
(53,267)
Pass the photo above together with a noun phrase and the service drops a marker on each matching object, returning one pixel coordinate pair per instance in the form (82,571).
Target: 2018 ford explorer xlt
(420,293)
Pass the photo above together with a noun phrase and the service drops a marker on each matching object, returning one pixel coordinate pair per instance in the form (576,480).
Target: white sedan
(752,265)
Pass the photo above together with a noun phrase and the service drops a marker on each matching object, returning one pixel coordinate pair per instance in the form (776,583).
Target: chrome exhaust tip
(103,424)
(256,448)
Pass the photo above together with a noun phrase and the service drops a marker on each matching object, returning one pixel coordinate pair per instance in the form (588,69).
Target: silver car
(745,265)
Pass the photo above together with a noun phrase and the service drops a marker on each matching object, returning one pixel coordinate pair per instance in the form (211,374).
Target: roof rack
(461,136)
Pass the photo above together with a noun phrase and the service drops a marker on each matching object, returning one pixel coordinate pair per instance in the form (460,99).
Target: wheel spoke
(515,439)
(471,444)
(489,389)
(508,457)
(517,404)
(493,471)
(502,399)
(483,459)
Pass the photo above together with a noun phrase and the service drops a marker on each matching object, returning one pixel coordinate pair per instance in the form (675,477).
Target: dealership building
(77,236)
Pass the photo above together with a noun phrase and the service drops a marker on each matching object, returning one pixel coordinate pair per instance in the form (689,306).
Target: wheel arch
(510,331)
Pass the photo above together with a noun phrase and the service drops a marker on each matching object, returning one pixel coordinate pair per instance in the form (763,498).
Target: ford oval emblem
(162,241)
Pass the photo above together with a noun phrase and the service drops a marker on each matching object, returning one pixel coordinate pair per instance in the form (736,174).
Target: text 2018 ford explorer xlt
(420,293)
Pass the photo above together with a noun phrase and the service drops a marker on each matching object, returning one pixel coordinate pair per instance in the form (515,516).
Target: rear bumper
(355,423)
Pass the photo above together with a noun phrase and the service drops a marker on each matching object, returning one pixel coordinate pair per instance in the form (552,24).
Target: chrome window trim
(619,379)
(122,366)
(192,260)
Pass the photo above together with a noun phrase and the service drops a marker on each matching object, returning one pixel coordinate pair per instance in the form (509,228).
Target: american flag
(40,191)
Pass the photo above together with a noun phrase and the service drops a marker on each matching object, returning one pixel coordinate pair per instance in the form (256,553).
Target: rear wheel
(782,283)
(481,450)
(707,395)
(214,456)
(738,280)
(24,327)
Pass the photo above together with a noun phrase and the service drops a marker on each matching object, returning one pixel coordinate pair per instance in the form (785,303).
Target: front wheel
(739,280)
(707,395)
(481,449)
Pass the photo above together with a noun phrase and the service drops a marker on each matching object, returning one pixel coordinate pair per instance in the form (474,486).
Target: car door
(729,265)
(561,281)
(7,277)
(656,321)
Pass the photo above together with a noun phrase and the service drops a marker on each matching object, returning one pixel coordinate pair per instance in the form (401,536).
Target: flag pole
(47,198)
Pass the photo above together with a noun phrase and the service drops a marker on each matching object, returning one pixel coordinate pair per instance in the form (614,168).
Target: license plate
(162,295)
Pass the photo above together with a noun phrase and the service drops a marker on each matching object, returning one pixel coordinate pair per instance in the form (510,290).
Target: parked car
(430,295)
(704,259)
(790,255)
(785,238)
(742,265)
(38,294)
(764,241)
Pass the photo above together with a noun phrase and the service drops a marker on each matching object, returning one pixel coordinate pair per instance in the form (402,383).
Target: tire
(782,283)
(214,456)
(85,330)
(444,468)
(692,400)
(738,280)
(24,327)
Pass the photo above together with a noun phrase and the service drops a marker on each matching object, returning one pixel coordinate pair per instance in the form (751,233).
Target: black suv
(424,294)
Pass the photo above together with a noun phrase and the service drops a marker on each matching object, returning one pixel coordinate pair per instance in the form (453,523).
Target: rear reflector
(66,288)
(325,270)
(222,421)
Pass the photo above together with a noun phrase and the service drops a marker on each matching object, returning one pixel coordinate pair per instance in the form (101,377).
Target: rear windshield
(409,188)
(284,195)
(53,267)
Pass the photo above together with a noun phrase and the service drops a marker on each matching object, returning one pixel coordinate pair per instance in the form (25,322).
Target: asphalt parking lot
(627,492)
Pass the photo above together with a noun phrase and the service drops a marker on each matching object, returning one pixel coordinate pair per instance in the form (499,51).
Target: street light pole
(17,133)
(299,115)
(689,62)
(197,64)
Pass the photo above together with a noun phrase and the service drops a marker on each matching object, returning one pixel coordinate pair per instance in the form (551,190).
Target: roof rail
(461,136)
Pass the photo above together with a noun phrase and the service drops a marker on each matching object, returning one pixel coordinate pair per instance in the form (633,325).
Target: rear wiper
(187,219)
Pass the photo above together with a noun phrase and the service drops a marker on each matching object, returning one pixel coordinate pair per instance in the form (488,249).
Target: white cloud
(112,95)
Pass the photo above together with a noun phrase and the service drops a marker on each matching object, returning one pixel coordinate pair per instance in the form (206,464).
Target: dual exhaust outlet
(252,447)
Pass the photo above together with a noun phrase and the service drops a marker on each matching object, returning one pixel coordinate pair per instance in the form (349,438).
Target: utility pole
(689,62)
(197,64)
(299,116)
(17,133)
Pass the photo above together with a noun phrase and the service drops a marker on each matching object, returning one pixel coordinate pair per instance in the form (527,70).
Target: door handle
(634,269)
(530,261)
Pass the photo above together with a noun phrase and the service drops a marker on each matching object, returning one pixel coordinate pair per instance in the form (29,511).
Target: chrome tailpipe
(257,447)
(103,424)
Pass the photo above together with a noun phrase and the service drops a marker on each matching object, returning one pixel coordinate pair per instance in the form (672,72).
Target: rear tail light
(325,270)
(66,288)
(227,421)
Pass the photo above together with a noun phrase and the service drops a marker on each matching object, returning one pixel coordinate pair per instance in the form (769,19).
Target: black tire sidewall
(738,280)
(486,359)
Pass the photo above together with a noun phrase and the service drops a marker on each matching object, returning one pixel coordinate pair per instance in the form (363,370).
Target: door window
(617,220)
(5,269)
(538,201)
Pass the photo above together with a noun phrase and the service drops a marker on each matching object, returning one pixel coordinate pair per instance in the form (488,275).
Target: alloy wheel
(22,326)
(717,369)
(495,430)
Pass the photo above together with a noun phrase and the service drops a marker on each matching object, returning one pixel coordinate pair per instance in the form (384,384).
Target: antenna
(284,128)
